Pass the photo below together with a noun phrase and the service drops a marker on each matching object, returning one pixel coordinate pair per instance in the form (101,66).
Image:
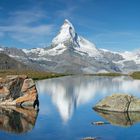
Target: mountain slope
(7,62)
(71,53)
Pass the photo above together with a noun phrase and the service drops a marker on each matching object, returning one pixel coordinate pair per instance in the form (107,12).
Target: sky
(110,24)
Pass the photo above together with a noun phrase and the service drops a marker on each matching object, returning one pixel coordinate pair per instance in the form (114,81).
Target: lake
(65,111)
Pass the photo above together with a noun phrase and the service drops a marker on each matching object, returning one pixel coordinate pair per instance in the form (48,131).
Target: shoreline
(39,75)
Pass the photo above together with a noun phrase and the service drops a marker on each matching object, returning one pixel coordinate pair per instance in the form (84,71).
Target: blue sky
(110,24)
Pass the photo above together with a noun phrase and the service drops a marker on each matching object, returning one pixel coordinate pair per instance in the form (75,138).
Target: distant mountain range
(71,53)
(7,62)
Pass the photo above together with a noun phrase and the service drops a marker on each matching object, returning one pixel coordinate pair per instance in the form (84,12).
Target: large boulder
(18,90)
(119,103)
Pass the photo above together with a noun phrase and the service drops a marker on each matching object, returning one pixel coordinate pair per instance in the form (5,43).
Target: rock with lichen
(119,103)
(18,90)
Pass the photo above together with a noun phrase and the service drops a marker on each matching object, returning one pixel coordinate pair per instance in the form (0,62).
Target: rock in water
(99,123)
(18,90)
(119,103)
(89,138)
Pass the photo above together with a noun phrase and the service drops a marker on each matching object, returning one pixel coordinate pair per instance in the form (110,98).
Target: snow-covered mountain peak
(68,38)
(67,33)
(68,28)
(67,22)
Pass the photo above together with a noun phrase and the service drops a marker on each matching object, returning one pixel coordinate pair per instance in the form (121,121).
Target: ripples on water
(66,111)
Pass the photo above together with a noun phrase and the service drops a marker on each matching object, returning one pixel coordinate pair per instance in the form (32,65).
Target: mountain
(7,63)
(69,39)
(71,53)
(20,56)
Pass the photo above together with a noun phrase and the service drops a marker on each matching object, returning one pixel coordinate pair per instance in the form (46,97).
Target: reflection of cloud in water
(128,84)
(69,92)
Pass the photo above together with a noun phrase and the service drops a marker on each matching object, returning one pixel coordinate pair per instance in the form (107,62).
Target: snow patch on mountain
(37,51)
(1,49)
(88,47)
(129,56)
(59,49)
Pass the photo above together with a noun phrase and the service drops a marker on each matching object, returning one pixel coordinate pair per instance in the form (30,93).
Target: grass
(36,75)
(106,74)
(135,75)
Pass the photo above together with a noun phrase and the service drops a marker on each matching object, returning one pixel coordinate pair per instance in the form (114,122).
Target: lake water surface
(66,111)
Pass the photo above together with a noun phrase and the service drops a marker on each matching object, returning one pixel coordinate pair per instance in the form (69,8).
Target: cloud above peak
(27,17)
(25,26)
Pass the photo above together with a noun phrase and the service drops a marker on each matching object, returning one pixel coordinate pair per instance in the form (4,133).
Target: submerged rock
(99,123)
(119,103)
(18,90)
(89,138)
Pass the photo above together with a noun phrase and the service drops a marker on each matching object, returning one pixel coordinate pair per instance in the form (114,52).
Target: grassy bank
(36,75)
(135,75)
(106,74)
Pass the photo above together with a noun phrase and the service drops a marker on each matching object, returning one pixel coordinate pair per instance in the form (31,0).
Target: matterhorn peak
(68,38)
(67,23)
(66,34)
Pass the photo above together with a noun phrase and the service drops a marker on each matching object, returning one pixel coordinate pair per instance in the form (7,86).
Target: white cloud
(26,17)
(37,30)
(26,26)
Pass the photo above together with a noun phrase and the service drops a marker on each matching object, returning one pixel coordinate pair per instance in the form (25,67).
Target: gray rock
(99,123)
(135,105)
(89,138)
(119,103)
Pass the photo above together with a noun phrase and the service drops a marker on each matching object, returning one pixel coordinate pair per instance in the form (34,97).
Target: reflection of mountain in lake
(121,119)
(17,120)
(69,92)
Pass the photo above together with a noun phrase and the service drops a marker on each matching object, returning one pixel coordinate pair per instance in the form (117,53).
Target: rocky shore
(18,90)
